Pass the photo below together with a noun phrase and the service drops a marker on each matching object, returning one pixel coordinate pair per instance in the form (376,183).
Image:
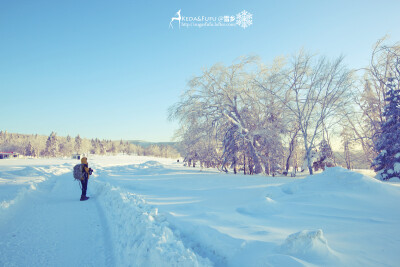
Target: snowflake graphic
(244,19)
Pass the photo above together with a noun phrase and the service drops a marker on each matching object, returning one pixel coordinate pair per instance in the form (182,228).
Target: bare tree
(314,91)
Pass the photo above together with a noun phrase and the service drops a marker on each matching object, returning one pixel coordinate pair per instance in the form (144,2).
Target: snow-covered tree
(325,156)
(78,144)
(387,163)
(66,146)
(103,149)
(52,145)
(325,150)
(225,112)
(95,146)
(30,150)
(113,148)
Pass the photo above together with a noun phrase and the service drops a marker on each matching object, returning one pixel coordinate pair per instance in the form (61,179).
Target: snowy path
(43,223)
(53,228)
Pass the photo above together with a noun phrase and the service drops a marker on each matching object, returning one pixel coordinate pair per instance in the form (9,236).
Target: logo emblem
(244,19)
(178,18)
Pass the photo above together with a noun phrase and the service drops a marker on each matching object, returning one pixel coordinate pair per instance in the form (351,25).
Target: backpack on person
(78,172)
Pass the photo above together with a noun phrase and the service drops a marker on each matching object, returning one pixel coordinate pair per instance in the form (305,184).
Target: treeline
(59,146)
(268,118)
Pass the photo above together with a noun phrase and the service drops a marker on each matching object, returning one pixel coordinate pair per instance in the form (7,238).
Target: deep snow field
(155,212)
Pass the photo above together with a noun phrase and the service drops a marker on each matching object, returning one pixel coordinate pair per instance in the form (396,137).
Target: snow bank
(151,164)
(19,182)
(264,207)
(56,170)
(5,204)
(141,236)
(308,245)
(145,169)
(338,179)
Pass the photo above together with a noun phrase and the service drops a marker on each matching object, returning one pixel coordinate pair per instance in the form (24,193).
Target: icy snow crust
(154,212)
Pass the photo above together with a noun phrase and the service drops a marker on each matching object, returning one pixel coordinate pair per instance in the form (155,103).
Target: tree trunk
(310,169)
(347,155)
(244,164)
(292,146)
(258,168)
(234,164)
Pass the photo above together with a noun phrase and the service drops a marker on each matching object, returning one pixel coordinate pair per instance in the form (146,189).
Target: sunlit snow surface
(155,212)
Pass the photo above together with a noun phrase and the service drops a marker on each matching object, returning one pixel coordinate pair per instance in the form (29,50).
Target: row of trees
(58,146)
(268,118)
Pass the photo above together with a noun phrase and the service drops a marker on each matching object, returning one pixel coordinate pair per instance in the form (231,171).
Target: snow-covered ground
(155,212)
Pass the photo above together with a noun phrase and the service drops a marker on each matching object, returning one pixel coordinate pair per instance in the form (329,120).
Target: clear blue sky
(111,69)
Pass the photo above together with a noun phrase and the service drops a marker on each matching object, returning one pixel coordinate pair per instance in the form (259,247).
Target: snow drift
(308,245)
(140,236)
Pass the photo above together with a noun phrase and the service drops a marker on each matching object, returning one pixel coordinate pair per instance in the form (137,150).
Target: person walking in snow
(85,178)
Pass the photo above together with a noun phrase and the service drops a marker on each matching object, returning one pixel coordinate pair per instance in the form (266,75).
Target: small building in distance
(9,155)
(78,156)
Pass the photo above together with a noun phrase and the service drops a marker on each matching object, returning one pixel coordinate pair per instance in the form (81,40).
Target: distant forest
(35,145)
